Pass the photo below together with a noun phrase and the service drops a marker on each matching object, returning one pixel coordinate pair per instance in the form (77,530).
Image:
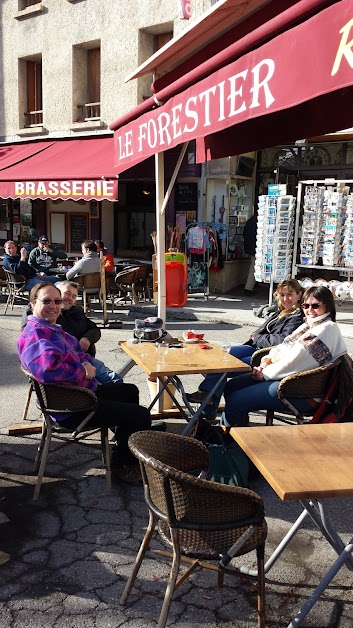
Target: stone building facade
(63,65)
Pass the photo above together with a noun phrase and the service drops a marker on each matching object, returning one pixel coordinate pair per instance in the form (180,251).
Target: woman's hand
(90,370)
(265,362)
(257,374)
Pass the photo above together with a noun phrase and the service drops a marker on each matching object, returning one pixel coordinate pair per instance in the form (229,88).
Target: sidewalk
(234,308)
(64,560)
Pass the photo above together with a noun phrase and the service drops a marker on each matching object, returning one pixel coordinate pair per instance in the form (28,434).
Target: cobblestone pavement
(64,560)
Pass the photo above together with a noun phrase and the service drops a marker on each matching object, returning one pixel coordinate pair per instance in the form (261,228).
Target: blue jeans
(30,283)
(243,353)
(240,400)
(104,375)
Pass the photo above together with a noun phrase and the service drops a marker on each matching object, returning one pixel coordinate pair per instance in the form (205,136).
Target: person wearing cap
(44,257)
(19,264)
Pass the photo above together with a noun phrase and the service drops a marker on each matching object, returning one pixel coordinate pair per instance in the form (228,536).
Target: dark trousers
(118,409)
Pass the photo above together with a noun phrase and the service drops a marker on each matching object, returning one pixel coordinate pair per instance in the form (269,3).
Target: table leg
(280,547)
(196,415)
(164,381)
(127,367)
(339,562)
(316,511)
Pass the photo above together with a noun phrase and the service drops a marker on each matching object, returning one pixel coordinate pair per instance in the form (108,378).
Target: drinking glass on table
(226,349)
(139,333)
(162,349)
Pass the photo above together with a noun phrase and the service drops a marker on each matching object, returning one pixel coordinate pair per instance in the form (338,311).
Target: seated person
(73,320)
(318,341)
(89,262)
(53,356)
(44,257)
(109,264)
(19,264)
(287,317)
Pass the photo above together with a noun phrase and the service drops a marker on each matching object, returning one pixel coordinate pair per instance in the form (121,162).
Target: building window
(151,39)
(33,99)
(161,40)
(87,83)
(23,4)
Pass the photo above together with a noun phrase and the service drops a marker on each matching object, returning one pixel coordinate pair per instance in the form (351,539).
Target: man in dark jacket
(19,264)
(73,320)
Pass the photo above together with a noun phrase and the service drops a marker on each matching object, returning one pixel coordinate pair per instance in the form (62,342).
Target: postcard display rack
(326,233)
(274,241)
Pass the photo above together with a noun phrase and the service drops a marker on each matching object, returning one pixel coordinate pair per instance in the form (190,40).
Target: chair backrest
(308,384)
(14,279)
(127,276)
(89,280)
(141,273)
(63,398)
(179,498)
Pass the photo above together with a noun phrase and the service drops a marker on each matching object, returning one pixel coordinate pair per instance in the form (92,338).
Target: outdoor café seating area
(94,537)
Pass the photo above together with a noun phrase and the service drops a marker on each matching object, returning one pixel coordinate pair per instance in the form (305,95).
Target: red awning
(63,169)
(301,79)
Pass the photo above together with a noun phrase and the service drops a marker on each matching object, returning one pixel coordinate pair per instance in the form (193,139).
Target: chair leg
(139,558)
(84,302)
(172,579)
(28,401)
(269,417)
(106,457)
(43,462)
(260,586)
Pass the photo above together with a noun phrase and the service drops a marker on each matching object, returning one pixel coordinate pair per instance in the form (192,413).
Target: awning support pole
(161,204)
(160,221)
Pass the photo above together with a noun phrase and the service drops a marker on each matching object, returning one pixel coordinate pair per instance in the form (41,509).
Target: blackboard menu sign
(186,196)
(78,231)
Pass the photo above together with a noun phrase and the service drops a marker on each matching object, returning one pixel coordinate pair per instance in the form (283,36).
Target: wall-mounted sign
(185,9)
(95,189)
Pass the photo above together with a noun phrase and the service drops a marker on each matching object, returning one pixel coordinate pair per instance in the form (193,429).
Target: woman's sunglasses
(314,306)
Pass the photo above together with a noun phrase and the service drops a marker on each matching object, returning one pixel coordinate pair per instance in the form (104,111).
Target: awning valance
(265,91)
(63,169)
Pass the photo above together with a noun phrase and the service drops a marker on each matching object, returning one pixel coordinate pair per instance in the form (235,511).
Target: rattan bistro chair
(199,519)
(15,287)
(65,399)
(306,385)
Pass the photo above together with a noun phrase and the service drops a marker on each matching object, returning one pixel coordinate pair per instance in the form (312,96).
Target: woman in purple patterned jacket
(51,355)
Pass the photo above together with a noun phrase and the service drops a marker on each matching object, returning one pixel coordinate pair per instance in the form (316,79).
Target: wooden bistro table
(309,464)
(189,359)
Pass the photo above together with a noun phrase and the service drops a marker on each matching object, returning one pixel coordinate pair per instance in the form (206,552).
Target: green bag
(228,463)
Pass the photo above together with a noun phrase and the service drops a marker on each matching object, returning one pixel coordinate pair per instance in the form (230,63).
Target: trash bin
(167,401)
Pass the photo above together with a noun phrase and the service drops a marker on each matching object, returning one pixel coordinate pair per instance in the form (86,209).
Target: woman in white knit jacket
(317,342)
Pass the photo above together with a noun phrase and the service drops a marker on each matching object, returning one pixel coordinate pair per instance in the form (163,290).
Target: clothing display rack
(202,250)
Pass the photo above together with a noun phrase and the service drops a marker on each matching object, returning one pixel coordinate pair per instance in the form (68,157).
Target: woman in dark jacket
(273,331)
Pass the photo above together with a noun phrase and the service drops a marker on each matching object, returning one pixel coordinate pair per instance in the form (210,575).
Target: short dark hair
(90,245)
(323,294)
(33,295)
(100,243)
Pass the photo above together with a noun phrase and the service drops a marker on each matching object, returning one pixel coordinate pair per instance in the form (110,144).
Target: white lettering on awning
(64,189)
